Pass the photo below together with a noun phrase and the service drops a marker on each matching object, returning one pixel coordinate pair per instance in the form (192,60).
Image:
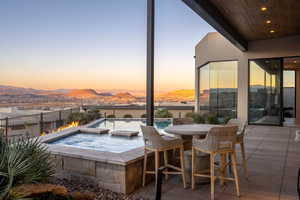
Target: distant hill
(177,95)
(83,93)
(124,97)
(6,89)
(13,94)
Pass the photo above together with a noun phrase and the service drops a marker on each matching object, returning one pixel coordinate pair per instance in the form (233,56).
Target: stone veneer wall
(116,177)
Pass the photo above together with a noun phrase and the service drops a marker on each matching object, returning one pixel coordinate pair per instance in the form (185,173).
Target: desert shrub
(163,113)
(93,115)
(127,116)
(48,192)
(197,117)
(84,117)
(190,115)
(23,161)
(40,191)
(82,196)
(111,116)
(77,117)
(144,115)
(212,119)
(229,116)
(1,132)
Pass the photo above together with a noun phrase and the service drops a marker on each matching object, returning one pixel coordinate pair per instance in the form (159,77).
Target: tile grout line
(256,148)
(284,164)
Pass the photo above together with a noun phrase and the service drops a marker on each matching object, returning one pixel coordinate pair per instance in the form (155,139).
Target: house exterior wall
(214,47)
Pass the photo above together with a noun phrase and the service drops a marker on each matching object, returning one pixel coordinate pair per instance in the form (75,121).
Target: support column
(197,90)
(242,99)
(150,62)
(297,88)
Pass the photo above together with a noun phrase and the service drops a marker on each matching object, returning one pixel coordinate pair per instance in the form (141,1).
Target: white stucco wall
(214,47)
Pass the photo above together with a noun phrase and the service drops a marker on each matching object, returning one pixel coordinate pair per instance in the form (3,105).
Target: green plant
(226,119)
(190,115)
(76,117)
(1,132)
(111,116)
(163,113)
(40,192)
(92,115)
(127,116)
(197,117)
(144,115)
(23,161)
(212,119)
(84,117)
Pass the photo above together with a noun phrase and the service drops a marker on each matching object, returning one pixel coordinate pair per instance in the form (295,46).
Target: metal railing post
(41,123)
(6,129)
(60,119)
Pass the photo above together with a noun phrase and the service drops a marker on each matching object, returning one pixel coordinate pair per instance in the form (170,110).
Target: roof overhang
(212,16)
(249,20)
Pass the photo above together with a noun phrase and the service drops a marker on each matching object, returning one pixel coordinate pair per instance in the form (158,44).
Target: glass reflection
(264,92)
(218,88)
(289,93)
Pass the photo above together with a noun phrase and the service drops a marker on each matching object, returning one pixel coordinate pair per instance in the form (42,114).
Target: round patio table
(187,131)
(190,129)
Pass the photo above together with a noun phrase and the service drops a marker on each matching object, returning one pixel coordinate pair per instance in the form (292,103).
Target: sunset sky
(99,44)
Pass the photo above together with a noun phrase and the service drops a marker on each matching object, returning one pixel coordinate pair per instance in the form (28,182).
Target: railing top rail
(37,114)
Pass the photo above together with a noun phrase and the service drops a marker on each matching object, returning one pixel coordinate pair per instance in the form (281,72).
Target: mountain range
(90,94)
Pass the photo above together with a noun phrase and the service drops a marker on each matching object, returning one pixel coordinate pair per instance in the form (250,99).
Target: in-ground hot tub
(113,162)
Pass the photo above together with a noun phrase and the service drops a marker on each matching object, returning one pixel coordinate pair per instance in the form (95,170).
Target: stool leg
(236,178)
(193,168)
(145,168)
(182,166)
(212,176)
(156,164)
(223,167)
(244,159)
(166,162)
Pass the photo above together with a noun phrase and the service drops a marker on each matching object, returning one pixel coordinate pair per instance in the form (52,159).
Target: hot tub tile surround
(119,172)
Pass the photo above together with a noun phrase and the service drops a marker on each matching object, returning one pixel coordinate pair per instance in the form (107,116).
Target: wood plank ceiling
(250,20)
(292,63)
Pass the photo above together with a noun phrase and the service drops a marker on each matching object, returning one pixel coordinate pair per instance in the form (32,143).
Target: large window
(218,88)
(265,95)
(289,94)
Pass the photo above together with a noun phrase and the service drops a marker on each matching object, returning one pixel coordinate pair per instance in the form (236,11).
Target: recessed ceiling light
(263,8)
(295,61)
(268,22)
(272,31)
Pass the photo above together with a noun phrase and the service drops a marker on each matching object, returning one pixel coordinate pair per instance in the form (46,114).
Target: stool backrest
(236,122)
(151,137)
(222,138)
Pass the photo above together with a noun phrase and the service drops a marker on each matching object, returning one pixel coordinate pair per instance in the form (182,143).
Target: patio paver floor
(273,162)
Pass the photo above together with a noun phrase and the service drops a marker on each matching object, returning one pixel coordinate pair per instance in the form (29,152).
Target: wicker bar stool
(156,143)
(219,140)
(240,140)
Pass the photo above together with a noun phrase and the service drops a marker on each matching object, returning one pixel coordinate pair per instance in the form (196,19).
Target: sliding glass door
(265,91)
